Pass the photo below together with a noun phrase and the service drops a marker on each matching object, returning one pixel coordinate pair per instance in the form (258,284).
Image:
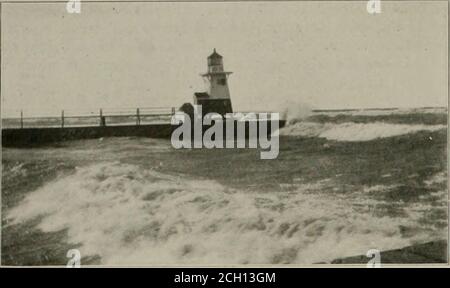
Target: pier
(32,131)
(25,131)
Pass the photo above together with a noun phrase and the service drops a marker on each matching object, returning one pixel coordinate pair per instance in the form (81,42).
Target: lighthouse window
(222,81)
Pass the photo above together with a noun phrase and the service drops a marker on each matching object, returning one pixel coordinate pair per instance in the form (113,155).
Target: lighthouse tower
(217,95)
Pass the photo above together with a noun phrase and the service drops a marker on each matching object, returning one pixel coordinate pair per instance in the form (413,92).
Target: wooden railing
(102,117)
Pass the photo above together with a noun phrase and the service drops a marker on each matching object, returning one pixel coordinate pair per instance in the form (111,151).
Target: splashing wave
(351,131)
(128,215)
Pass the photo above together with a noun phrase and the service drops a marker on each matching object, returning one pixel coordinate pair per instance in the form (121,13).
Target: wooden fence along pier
(104,117)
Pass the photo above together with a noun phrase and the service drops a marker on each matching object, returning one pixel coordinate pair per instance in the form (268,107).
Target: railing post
(173,110)
(138,117)
(101,117)
(21,119)
(62,118)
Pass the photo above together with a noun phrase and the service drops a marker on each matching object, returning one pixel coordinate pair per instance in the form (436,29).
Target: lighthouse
(217,96)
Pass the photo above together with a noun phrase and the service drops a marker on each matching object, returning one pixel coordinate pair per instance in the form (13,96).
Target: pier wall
(30,137)
(25,137)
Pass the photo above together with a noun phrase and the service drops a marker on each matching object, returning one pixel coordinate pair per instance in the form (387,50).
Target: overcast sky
(321,54)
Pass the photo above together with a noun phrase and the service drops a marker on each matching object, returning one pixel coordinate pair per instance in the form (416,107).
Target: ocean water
(343,183)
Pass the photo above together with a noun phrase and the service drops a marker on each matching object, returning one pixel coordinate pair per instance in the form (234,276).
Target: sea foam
(128,215)
(351,131)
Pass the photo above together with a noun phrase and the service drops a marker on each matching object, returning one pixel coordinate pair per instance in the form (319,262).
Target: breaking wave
(129,215)
(351,131)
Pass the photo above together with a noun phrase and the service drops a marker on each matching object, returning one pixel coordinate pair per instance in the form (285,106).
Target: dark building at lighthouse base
(209,105)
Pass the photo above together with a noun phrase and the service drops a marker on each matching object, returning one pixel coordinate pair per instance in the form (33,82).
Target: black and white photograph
(224,133)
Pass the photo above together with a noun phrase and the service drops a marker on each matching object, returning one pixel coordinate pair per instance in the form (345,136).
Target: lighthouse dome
(215,60)
(215,55)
